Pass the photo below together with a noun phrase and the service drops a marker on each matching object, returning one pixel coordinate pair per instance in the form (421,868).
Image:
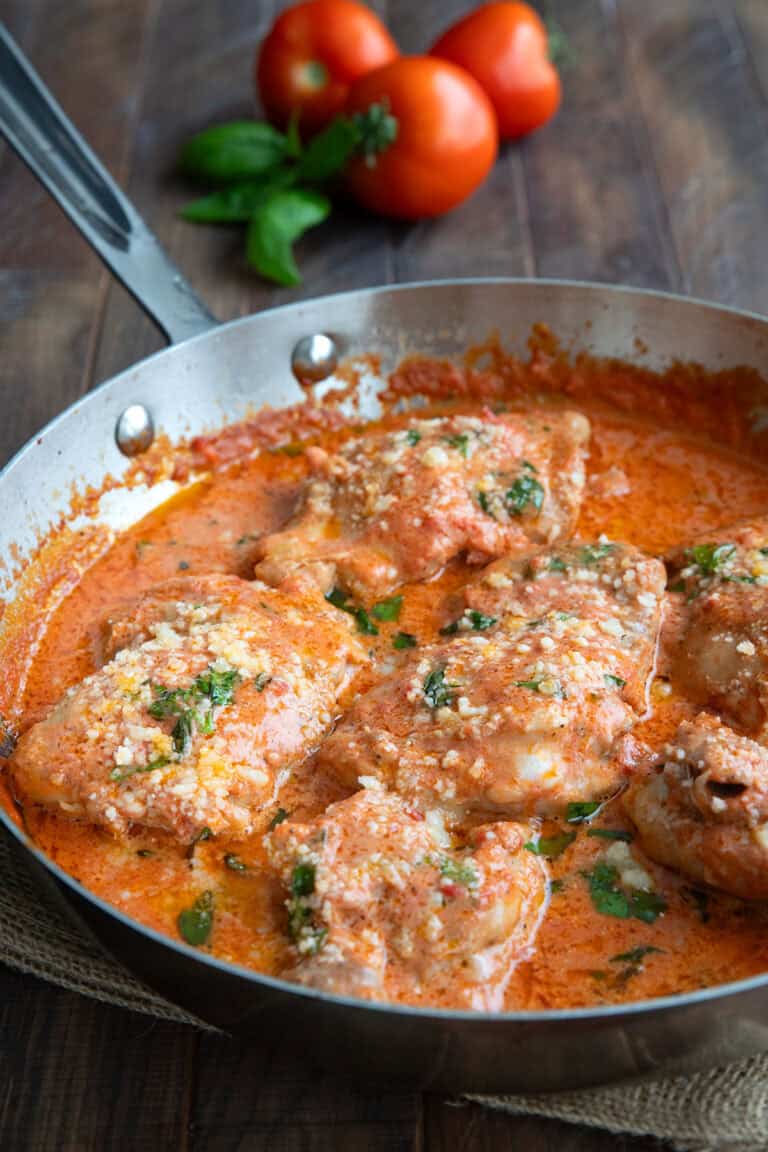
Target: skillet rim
(602,1013)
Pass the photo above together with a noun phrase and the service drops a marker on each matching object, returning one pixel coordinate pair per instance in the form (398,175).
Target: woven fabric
(724,1110)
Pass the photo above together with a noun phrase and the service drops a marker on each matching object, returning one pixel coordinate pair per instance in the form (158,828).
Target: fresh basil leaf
(551,846)
(237,203)
(327,153)
(195,923)
(614,681)
(404,640)
(235,151)
(275,227)
(278,818)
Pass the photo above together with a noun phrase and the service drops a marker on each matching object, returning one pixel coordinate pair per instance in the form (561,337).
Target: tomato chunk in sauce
(450,694)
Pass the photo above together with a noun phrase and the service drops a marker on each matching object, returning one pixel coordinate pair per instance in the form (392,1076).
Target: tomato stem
(315,76)
(377,129)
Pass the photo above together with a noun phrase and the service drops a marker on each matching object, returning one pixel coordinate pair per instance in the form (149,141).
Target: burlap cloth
(724,1110)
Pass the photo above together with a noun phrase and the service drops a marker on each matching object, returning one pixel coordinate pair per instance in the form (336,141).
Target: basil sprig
(268,180)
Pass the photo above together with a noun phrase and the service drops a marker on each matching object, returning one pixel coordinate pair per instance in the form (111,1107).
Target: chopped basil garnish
(557,565)
(471,621)
(121,773)
(635,955)
(611,900)
(678,586)
(278,818)
(484,502)
(260,682)
(203,835)
(404,640)
(556,689)
(193,706)
(388,609)
(181,733)
(611,834)
(234,863)
(195,923)
(219,687)
(579,810)
(458,871)
(708,558)
(304,934)
(412,437)
(593,553)
(364,623)
(437,692)
(551,846)
(556,886)
(524,491)
(460,442)
(613,681)
(303,880)
(338,599)
(183,565)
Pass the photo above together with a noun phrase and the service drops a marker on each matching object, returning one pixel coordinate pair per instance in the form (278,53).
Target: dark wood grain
(79,1076)
(706,120)
(251,1098)
(52,285)
(654,173)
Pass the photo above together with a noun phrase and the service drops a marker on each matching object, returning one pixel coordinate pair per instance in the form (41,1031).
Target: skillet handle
(36,127)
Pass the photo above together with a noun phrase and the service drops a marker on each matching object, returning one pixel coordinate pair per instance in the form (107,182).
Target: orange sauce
(678,484)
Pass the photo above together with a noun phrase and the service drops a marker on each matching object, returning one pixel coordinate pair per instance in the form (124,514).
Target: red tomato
(431,134)
(504,46)
(311,56)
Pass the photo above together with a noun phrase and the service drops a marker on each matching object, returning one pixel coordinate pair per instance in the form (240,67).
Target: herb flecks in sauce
(307,937)
(196,922)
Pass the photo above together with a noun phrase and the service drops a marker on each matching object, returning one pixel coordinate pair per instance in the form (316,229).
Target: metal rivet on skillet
(135,430)
(314,358)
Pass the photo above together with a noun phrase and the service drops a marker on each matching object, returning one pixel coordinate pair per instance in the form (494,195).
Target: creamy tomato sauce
(653,481)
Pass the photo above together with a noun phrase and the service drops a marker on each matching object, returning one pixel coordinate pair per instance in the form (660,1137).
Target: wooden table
(655,173)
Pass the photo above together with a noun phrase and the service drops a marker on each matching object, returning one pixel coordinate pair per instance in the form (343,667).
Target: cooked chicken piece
(383,904)
(518,711)
(722,660)
(222,687)
(704,811)
(392,507)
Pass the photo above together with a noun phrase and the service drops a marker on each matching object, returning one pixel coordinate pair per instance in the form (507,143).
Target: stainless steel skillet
(213,374)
